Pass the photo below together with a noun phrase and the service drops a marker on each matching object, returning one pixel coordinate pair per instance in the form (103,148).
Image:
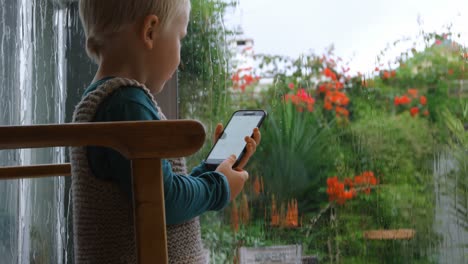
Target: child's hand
(236,178)
(251,147)
(251,144)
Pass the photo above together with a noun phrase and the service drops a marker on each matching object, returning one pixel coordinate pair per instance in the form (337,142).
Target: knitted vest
(102,213)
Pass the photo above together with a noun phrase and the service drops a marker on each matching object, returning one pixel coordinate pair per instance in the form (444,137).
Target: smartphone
(231,141)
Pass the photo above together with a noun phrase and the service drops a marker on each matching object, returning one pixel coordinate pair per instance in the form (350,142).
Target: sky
(358,29)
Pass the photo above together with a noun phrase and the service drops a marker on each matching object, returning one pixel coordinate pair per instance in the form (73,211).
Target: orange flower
(337,98)
(348,182)
(244,210)
(426,112)
(348,195)
(336,190)
(328,105)
(257,186)
(275,221)
(339,85)
(341,111)
(414,111)
(450,72)
(330,74)
(413,92)
(234,216)
(386,75)
(393,74)
(423,100)
(292,214)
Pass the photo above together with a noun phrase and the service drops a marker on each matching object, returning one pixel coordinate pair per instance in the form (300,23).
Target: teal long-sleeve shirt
(186,196)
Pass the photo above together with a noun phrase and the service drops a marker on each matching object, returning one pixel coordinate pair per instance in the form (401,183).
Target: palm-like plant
(295,153)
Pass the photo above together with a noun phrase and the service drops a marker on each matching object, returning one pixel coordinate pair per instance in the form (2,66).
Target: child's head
(149,19)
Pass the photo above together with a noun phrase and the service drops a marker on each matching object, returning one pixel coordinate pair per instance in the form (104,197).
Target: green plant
(204,72)
(296,156)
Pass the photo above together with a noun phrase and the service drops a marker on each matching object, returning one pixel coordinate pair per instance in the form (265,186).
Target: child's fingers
(257,136)
(242,173)
(250,150)
(218,132)
(251,144)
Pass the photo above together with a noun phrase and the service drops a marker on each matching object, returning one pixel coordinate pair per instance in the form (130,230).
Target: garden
(354,167)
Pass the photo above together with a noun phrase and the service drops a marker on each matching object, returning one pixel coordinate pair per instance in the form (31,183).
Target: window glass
(363,153)
(33,220)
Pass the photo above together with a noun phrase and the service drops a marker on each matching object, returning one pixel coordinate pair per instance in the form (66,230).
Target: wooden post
(148,190)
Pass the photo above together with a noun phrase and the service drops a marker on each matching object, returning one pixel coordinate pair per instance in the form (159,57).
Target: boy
(137,46)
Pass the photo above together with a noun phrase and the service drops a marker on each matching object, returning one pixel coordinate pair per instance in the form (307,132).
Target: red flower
(450,72)
(423,100)
(322,88)
(377,69)
(301,99)
(426,112)
(248,79)
(291,86)
(393,74)
(414,111)
(438,42)
(302,94)
(405,99)
(235,77)
(348,182)
(339,85)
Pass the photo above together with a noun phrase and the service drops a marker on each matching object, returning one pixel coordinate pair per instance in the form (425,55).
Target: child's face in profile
(166,56)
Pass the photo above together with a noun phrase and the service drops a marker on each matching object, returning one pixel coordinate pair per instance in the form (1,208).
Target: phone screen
(232,140)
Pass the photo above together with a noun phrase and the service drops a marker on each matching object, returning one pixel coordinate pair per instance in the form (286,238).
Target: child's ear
(150,30)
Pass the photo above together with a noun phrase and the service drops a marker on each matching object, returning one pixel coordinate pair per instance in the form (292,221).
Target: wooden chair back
(145,143)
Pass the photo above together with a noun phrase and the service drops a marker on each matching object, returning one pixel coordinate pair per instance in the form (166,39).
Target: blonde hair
(102,18)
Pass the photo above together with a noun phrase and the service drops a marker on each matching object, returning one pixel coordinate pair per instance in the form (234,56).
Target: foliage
(297,155)
(204,70)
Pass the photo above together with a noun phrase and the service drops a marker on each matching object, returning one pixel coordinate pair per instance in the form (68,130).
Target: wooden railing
(145,143)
